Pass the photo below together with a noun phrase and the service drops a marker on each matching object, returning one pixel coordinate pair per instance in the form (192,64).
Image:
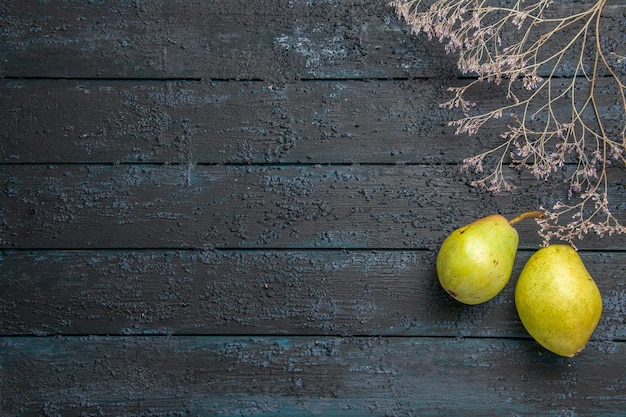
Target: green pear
(475,261)
(557,300)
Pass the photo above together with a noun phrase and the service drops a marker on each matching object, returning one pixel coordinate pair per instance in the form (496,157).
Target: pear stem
(528,215)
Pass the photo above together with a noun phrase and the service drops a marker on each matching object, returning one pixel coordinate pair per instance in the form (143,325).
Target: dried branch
(540,139)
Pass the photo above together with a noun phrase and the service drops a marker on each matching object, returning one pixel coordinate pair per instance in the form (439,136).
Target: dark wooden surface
(227,208)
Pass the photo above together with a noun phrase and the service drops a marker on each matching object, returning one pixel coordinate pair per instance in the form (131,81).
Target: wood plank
(52,121)
(185,229)
(233,376)
(269,40)
(225,122)
(216,206)
(87,122)
(388,293)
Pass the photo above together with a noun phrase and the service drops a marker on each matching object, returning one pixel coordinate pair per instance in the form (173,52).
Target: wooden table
(231,208)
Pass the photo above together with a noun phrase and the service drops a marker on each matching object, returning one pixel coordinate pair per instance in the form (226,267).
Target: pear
(475,261)
(557,300)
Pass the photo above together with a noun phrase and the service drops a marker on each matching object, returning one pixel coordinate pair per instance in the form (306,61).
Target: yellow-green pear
(557,300)
(475,261)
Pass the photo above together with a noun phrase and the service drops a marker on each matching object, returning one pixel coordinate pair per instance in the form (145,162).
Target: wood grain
(233,376)
(275,40)
(303,292)
(216,206)
(225,122)
(180,122)
(227,208)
